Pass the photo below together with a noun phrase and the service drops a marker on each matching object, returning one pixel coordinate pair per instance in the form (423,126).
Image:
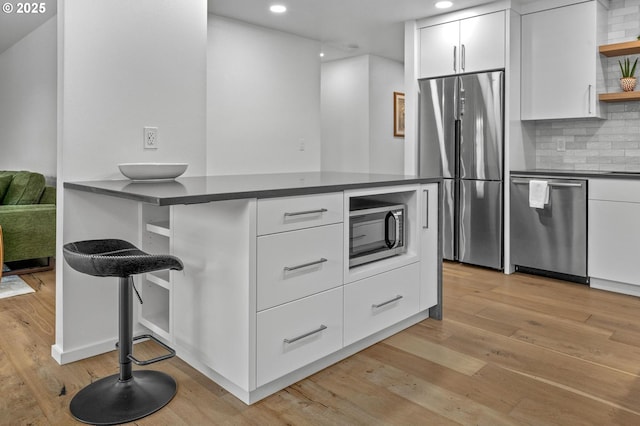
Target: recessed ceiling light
(278,8)
(443,4)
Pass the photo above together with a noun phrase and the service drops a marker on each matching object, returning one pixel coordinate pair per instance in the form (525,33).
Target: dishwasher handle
(557,184)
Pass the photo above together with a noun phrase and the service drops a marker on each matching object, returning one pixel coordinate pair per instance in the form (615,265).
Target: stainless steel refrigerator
(461,140)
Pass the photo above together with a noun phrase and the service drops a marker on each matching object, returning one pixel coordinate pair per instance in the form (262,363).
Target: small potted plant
(628,80)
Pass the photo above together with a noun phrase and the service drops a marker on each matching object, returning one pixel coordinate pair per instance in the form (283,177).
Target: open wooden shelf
(620,96)
(620,49)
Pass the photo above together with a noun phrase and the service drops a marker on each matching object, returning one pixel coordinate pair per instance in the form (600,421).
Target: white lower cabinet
(295,334)
(614,209)
(430,261)
(377,302)
(261,304)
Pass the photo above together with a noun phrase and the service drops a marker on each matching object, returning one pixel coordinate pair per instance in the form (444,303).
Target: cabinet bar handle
(425,194)
(302,336)
(380,305)
(558,184)
(589,99)
(305,212)
(462,58)
(455,49)
(566,185)
(304,265)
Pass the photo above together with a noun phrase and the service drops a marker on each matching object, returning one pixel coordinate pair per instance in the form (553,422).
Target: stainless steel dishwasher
(550,241)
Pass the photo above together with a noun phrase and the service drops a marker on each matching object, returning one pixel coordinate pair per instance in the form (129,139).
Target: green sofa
(27,216)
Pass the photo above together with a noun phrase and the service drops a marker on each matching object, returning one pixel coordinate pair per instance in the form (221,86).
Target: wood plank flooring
(511,350)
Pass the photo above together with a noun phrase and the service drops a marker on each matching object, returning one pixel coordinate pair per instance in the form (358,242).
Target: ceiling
(345,27)
(14,26)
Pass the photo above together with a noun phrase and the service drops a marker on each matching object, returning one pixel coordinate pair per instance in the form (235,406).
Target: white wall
(357,115)
(123,65)
(386,152)
(345,115)
(28,102)
(263,100)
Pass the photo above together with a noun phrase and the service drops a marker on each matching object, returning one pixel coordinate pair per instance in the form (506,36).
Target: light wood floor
(511,350)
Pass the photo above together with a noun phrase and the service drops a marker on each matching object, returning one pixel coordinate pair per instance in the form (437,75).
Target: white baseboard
(67,356)
(615,286)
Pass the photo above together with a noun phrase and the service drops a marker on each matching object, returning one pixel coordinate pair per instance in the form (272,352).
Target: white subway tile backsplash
(594,144)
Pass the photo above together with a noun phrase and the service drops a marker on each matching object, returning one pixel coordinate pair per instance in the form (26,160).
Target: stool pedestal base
(110,401)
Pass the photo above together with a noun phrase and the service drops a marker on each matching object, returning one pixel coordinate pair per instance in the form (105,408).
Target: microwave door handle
(391,243)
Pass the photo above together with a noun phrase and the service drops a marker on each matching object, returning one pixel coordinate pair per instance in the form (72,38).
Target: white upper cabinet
(439,46)
(468,45)
(561,67)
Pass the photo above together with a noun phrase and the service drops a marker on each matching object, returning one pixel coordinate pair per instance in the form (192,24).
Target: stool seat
(115,258)
(129,395)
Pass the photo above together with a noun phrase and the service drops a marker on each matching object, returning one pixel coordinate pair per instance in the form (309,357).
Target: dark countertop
(592,174)
(204,189)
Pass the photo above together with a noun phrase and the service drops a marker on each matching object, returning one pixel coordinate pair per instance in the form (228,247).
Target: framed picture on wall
(398,114)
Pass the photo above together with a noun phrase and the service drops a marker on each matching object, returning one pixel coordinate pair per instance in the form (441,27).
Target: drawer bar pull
(380,305)
(304,265)
(302,336)
(305,212)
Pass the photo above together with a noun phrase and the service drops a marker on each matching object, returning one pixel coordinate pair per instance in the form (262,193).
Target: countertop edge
(167,200)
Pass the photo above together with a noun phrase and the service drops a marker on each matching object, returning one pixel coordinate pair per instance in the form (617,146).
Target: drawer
(380,301)
(290,213)
(299,263)
(626,190)
(293,335)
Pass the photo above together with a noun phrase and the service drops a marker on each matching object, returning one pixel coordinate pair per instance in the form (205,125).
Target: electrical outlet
(150,138)
(301,145)
(561,145)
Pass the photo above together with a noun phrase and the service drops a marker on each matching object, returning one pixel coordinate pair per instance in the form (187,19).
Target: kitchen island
(268,296)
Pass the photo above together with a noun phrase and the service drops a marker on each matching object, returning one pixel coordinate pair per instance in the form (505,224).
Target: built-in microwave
(377,230)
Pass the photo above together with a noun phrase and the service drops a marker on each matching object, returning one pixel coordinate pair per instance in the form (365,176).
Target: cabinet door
(429,256)
(439,51)
(482,41)
(613,241)
(614,209)
(559,63)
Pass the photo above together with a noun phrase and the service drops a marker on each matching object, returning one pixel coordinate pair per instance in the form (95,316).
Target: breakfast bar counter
(204,189)
(269,293)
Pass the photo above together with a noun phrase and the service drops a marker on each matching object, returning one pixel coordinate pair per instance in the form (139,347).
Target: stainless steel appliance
(552,240)
(461,140)
(377,230)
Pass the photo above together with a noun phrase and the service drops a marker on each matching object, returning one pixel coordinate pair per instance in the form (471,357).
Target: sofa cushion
(26,188)
(5,181)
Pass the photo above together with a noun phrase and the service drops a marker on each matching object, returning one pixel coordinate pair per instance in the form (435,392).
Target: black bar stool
(129,395)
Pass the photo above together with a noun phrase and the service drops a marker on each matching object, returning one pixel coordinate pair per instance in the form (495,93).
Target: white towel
(538,193)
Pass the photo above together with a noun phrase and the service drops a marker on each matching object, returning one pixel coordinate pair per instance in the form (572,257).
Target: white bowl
(152,171)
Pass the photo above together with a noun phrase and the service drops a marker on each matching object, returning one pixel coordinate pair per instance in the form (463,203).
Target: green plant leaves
(626,69)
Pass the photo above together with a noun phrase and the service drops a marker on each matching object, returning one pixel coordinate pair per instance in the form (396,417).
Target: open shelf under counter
(160,228)
(160,278)
(620,49)
(154,312)
(620,96)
